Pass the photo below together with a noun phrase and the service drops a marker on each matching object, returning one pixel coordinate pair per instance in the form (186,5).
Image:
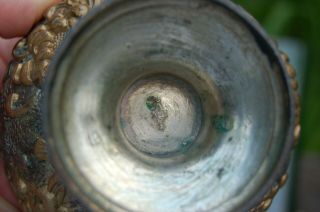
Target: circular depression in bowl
(161,116)
(167,106)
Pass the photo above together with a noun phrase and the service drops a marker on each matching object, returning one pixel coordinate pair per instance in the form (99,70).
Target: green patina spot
(222,123)
(152,103)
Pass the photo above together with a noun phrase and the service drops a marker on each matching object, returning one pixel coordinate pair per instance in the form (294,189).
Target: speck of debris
(220,173)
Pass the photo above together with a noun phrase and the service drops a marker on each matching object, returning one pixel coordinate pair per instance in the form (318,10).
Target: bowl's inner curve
(168,106)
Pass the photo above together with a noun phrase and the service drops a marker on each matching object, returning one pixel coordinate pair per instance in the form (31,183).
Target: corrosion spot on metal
(158,112)
(222,123)
(153,102)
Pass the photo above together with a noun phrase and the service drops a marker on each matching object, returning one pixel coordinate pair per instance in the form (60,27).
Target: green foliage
(299,19)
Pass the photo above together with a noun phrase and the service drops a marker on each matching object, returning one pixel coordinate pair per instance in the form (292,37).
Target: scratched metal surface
(212,68)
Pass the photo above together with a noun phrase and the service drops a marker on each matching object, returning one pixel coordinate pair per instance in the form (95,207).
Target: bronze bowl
(148,105)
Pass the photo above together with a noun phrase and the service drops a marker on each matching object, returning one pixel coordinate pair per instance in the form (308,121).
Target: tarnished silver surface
(170,106)
(149,105)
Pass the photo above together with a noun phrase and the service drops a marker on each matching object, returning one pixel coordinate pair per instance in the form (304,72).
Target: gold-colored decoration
(294,84)
(267,200)
(11,105)
(31,57)
(40,150)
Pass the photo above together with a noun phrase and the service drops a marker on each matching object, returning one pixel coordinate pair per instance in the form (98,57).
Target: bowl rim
(266,44)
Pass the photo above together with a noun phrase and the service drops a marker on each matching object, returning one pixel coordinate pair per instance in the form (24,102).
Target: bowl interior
(168,106)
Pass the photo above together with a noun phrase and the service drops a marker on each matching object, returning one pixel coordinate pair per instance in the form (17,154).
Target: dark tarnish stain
(264,46)
(222,123)
(201,5)
(220,173)
(109,127)
(187,22)
(155,51)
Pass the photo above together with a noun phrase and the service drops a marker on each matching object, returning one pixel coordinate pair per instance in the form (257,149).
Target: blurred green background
(299,19)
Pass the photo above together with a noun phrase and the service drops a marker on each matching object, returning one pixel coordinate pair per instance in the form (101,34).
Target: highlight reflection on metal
(149,106)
